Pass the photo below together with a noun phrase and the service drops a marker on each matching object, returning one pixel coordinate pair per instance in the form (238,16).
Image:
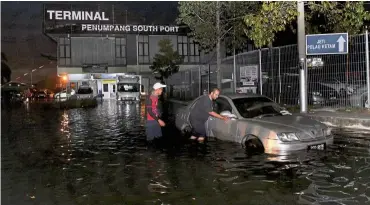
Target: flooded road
(99,156)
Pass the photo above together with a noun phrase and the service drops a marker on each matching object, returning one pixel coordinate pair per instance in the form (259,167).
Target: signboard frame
(328,34)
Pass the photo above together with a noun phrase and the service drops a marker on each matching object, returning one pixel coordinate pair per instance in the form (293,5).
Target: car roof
(239,95)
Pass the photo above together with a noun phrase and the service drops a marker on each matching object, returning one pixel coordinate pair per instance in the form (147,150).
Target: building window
(188,49)
(182,47)
(194,56)
(120,51)
(143,46)
(64,51)
(105,88)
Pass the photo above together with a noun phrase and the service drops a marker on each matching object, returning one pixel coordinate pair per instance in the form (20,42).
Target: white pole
(302,57)
(367,66)
(260,69)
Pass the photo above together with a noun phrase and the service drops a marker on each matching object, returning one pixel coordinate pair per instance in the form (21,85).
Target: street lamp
(33,70)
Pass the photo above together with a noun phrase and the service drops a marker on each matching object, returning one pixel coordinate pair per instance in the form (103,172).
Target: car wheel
(253,145)
(186,131)
(342,92)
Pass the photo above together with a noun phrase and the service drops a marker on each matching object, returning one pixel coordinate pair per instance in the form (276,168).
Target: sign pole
(302,57)
(367,66)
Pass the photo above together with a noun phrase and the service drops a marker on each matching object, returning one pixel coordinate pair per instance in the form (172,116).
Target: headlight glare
(287,136)
(328,131)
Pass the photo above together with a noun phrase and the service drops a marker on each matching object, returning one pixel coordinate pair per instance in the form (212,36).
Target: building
(94,47)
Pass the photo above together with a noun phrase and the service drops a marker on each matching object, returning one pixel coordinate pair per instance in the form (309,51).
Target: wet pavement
(99,156)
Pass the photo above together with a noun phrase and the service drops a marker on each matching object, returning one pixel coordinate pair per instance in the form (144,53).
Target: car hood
(289,123)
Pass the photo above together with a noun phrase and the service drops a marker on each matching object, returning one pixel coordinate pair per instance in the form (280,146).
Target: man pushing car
(200,113)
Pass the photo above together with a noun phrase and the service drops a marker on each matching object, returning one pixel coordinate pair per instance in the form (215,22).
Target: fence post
(260,69)
(279,73)
(209,76)
(367,66)
(234,71)
(200,81)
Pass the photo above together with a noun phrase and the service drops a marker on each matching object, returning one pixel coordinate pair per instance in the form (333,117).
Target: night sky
(23,42)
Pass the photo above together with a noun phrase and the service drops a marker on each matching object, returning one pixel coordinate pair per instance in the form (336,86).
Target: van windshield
(84,91)
(128,87)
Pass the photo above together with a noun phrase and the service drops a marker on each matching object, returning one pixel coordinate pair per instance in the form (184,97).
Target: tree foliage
(321,17)
(272,18)
(6,72)
(200,17)
(167,61)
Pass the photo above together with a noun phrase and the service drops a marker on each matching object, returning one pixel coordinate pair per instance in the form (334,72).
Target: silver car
(359,98)
(257,121)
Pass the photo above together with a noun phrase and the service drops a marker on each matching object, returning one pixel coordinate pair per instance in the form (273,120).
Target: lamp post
(33,70)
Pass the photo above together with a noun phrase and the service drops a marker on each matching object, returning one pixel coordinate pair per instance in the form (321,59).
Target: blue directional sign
(324,44)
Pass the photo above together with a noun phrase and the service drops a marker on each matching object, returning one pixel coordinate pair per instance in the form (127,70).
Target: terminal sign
(98,22)
(323,44)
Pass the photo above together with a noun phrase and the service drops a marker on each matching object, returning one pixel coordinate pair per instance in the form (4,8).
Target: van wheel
(253,145)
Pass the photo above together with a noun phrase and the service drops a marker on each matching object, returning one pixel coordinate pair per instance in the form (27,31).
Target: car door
(221,129)
(184,114)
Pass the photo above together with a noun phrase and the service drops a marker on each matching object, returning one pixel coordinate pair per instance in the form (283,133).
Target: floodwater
(99,156)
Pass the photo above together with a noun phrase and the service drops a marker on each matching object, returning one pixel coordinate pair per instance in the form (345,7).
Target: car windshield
(84,91)
(256,106)
(128,87)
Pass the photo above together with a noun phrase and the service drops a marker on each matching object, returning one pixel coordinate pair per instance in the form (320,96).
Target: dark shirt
(201,110)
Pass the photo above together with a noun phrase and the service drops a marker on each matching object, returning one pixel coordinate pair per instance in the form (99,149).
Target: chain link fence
(335,81)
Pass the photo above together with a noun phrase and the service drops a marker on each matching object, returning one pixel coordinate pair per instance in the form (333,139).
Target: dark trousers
(199,128)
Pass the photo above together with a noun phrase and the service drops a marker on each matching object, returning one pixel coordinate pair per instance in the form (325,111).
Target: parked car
(64,94)
(83,92)
(340,86)
(41,94)
(257,121)
(359,98)
(319,94)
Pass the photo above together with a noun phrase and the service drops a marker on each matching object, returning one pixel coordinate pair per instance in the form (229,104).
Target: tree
(200,17)
(321,17)
(167,61)
(6,72)
(216,21)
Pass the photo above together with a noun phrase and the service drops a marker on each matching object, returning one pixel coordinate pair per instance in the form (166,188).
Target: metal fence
(335,81)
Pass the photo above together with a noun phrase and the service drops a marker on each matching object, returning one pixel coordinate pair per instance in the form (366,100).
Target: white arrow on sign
(341,42)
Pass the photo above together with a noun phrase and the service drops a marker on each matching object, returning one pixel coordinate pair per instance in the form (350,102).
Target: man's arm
(214,114)
(210,111)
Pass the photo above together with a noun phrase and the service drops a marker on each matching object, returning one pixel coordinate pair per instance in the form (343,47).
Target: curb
(343,122)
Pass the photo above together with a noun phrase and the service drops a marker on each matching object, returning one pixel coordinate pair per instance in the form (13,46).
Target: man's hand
(161,123)
(225,118)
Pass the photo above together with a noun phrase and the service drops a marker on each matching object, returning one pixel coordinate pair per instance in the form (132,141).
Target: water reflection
(98,156)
